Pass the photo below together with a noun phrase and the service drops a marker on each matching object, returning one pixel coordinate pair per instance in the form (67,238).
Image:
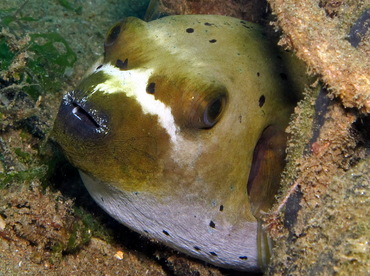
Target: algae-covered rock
(321,222)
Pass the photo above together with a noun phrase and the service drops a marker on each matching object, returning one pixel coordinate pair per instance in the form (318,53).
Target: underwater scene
(165,137)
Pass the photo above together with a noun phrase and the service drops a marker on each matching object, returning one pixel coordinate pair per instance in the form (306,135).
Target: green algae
(6,55)
(53,57)
(79,236)
(41,64)
(93,223)
(23,156)
(69,6)
(34,173)
(8,16)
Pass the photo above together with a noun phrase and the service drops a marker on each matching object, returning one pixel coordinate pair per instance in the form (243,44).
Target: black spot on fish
(208,24)
(283,76)
(102,199)
(221,208)
(243,258)
(196,248)
(122,64)
(190,30)
(261,101)
(213,254)
(166,233)
(212,224)
(258,74)
(245,24)
(100,66)
(212,40)
(146,231)
(150,88)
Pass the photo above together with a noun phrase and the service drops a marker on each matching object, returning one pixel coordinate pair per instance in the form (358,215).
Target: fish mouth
(80,118)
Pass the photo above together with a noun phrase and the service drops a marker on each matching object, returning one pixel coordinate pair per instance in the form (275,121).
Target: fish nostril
(84,116)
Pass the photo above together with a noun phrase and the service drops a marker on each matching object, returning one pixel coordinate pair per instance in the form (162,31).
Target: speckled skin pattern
(165,130)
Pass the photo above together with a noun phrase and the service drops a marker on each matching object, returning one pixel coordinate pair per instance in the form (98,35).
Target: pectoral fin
(268,163)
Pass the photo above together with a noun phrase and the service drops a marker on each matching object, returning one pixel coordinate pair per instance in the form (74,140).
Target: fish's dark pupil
(214,109)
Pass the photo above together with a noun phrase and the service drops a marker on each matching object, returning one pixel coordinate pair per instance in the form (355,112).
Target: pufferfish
(179,133)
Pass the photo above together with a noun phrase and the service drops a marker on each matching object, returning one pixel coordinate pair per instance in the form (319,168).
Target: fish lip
(80,118)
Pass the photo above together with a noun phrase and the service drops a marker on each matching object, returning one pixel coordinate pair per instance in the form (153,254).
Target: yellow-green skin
(148,155)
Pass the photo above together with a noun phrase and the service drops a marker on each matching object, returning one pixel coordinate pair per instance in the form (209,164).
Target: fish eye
(207,109)
(113,34)
(213,110)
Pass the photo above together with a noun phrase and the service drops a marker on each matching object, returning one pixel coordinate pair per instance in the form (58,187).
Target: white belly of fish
(183,227)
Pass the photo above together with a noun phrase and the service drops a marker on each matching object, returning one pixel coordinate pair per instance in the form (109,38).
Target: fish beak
(79,118)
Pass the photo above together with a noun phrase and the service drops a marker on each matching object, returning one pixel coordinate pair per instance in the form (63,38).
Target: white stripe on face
(133,83)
